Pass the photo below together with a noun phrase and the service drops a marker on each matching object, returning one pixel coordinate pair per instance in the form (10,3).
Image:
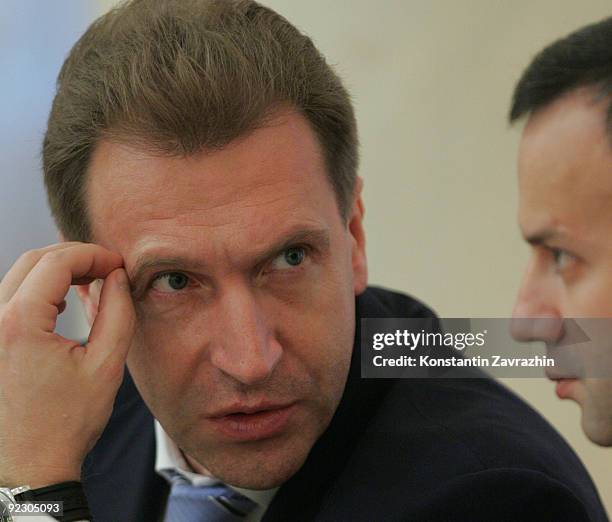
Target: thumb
(113,328)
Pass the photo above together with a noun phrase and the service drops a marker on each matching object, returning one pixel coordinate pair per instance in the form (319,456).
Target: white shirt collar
(169,457)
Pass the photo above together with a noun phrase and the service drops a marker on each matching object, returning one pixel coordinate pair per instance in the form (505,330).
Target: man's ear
(88,294)
(90,297)
(358,253)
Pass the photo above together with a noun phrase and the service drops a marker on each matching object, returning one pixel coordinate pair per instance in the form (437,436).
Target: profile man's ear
(355,227)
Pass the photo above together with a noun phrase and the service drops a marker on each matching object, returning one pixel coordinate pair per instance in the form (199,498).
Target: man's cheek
(152,365)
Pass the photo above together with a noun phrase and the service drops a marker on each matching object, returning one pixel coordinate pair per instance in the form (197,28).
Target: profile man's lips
(564,382)
(564,387)
(252,422)
(555,374)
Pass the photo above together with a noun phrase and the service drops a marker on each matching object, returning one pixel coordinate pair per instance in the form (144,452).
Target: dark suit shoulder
(437,446)
(451,449)
(502,495)
(382,302)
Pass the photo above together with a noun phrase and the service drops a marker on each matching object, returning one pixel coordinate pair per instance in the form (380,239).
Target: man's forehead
(153,249)
(265,158)
(275,172)
(565,163)
(579,119)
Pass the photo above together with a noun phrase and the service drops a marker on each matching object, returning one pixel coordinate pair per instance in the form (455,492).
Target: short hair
(183,76)
(581,59)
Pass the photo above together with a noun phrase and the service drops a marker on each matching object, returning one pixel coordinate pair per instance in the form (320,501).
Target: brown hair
(181,76)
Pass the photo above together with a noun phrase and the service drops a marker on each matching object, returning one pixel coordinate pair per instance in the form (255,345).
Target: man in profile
(565,210)
(201,158)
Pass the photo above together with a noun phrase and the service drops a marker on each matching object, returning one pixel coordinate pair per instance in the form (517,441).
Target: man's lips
(247,409)
(564,381)
(555,374)
(564,387)
(252,422)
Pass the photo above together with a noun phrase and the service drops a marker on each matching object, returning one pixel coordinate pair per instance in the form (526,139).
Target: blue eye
(170,282)
(294,256)
(291,257)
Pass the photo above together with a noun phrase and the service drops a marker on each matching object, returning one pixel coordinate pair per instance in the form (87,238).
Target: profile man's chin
(598,431)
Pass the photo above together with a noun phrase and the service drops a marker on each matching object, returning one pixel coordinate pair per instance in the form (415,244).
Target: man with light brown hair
(201,159)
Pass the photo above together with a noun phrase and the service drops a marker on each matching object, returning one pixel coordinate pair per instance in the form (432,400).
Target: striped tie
(215,503)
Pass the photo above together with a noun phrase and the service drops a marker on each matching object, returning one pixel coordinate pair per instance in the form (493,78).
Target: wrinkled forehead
(276,174)
(282,154)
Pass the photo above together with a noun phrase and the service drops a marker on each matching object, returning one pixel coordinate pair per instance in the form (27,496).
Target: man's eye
(561,258)
(291,257)
(170,282)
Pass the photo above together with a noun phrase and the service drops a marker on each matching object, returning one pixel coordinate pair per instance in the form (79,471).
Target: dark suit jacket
(420,450)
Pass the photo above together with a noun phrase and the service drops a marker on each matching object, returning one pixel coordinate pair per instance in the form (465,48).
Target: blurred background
(431,82)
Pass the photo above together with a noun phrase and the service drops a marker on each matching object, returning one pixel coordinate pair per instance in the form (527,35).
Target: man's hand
(56,396)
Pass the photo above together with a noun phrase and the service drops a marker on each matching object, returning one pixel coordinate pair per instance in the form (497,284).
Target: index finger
(50,279)
(22,267)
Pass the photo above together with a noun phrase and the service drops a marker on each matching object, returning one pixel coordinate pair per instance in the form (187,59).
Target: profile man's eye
(170,282)
(561,258)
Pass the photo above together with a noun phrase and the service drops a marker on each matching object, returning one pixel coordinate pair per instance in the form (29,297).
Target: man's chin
(598,431)
(596,410)
(258,472)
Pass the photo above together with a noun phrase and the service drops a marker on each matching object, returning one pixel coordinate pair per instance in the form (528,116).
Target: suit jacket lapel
(119,473)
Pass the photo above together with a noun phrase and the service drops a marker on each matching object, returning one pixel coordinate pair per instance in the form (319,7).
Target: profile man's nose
(534,320)
(246,349)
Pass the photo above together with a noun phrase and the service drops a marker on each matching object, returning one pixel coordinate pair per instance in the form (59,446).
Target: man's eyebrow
(542,237)
(318,237)
(148,261)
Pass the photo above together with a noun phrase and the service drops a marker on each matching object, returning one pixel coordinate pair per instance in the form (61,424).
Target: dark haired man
(565,212)
(201,158)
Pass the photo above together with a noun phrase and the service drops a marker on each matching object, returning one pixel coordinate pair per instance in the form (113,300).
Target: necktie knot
(205,503)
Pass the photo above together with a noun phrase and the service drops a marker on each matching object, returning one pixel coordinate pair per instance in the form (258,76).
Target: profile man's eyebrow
(318,237)
(542,237)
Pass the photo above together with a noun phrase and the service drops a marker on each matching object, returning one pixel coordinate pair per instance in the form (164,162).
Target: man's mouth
(249,423)
(563,378)
(564,386)
(558,374)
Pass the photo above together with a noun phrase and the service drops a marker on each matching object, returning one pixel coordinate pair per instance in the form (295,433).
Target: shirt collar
(169,458)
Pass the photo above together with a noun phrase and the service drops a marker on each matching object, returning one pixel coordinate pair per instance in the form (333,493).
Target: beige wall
(431,80)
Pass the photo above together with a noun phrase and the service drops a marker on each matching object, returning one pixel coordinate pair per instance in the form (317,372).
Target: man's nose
(536,315)
(246,348)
